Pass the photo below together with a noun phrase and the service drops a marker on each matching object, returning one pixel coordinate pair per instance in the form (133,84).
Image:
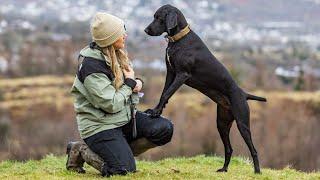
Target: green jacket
(98,105)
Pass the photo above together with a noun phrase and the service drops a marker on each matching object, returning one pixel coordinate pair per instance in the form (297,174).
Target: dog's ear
(171,21)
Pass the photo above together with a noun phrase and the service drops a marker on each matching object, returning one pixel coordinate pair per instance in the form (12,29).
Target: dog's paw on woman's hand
(153,112)
(148,111)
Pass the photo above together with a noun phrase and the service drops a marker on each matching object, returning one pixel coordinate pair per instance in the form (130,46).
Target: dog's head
(166,19)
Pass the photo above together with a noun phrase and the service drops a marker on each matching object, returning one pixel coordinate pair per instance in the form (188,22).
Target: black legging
(112,145)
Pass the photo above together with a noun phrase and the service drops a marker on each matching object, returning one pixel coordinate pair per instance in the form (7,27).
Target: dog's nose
(147,30)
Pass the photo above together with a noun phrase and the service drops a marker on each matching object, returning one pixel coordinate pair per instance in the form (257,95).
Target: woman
(106,91)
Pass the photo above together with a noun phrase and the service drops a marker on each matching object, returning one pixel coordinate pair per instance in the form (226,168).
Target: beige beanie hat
(106,29)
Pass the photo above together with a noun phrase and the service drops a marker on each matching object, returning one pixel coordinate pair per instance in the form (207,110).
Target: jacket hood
(93,53)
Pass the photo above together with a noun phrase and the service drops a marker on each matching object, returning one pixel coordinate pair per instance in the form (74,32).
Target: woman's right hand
(128,73)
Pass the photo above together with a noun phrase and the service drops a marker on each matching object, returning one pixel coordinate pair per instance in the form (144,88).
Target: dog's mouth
(147,31)
(151,33)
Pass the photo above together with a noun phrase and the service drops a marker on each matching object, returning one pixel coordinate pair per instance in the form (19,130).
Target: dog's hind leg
(224,123)
(241,113)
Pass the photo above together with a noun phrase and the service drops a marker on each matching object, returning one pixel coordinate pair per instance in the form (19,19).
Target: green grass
(199,167)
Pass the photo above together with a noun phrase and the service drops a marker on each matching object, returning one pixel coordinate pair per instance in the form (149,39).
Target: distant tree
(300,84)
(236,74)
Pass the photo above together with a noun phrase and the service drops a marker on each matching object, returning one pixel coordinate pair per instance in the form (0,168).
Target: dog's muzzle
(147,30)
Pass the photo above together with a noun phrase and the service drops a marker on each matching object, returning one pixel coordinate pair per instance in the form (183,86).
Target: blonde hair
(119,60)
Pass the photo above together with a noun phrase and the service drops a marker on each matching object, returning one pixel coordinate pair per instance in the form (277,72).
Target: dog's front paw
(156,113)
(148,111)
(153,112)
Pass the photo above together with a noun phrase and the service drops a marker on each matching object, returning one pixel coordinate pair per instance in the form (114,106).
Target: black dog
(190,62)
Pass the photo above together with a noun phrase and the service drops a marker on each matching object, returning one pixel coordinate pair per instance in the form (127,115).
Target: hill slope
(199,167)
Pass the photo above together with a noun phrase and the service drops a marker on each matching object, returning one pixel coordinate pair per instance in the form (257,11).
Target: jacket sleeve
(104,95)
(135,98)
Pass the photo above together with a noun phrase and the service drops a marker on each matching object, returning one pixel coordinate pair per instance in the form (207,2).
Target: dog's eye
(156,16)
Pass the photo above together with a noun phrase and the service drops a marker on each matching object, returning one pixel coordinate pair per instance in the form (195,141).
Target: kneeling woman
(106,92)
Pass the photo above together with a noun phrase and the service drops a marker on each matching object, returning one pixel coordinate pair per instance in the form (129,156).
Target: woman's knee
(111,146)
(161,131)
(109,171)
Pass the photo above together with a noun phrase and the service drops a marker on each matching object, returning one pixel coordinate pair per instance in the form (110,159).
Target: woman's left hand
(138,86)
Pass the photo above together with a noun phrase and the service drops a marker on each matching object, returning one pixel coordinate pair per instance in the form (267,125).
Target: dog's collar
(179,35)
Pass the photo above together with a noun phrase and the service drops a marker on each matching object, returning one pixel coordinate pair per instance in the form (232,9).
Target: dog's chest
(168,59)
(172,53)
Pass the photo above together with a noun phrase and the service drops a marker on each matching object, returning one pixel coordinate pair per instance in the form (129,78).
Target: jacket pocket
(114,118)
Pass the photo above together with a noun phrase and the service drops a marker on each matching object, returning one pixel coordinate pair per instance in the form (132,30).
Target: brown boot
(141,145)
(91,158)
(78,153)
(74,160)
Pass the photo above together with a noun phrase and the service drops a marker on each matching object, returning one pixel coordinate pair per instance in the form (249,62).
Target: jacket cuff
(130,82)
(141,81)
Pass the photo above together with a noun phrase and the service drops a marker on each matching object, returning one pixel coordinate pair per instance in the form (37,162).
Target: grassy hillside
(199,167)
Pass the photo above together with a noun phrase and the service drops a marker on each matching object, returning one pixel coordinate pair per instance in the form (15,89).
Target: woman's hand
(138,86)
(128,72)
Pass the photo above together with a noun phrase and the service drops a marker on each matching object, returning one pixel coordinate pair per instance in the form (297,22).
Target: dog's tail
(257,98)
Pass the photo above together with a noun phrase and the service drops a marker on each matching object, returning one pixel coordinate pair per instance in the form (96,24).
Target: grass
(198,167)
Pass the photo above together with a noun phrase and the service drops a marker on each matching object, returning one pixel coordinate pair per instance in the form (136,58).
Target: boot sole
(77,169)
(68,148)
(68,153)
